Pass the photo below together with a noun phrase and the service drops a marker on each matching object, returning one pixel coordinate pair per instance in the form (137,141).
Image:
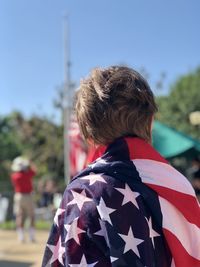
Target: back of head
(114,102)
(20,164)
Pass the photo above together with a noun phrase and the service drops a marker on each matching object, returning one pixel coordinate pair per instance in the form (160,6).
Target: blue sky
(161,36)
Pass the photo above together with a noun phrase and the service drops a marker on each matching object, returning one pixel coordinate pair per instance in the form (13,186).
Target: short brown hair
(114,102)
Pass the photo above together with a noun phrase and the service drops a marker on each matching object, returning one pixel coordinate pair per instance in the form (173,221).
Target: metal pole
(66,100)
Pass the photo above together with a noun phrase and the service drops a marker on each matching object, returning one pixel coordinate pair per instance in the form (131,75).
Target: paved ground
(15,254)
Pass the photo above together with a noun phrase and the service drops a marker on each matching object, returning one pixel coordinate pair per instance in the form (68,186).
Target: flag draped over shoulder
(128,208)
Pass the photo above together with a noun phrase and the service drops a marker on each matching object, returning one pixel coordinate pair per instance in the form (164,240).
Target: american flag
(77,153)
(128,208)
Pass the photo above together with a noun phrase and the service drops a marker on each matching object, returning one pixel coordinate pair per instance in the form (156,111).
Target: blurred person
(47,193)
(39,191)
(129,207)
(21,177)
(195,176)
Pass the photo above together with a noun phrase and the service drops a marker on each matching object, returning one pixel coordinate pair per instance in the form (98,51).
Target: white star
(131,242)
(58,213)
(83,263)
(104,211)
(102,231)
(57,251)
(112,259)
(129,195)
(93,178)
(152,233)
(79,199)
(73,231)
(98,161)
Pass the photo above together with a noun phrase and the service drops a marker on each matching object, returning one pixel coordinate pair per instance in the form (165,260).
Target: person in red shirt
(21,177)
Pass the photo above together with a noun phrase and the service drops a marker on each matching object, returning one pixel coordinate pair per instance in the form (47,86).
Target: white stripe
(173,263)
(162,174)
(187,233)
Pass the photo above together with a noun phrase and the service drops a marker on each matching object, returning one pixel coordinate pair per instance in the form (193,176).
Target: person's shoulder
(94,180)
(15,175)
(93,185)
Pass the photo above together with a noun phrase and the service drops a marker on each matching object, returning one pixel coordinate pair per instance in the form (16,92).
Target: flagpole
(66,100)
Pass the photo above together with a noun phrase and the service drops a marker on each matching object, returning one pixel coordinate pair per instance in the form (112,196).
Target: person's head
(196,161)
(20,164)
(114,102)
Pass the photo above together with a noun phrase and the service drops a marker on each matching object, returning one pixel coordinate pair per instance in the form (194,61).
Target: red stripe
(94,153)
(140,149)
(180,255)
(186,204)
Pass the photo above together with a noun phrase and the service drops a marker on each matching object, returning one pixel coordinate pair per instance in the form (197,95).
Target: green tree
(184,98)
(38,138)
(10,147)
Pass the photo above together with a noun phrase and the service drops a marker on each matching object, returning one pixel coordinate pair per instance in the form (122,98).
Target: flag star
(112,259)
(117,255)
(131,242)
(93,178)
(58,213)
(98,161)
(57,251)
(83,263)
(102,231)
(129,195)
(73,231)
(104,211)
(152,233)
(79,199)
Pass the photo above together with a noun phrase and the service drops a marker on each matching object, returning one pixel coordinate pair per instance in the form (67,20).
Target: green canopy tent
(171,143)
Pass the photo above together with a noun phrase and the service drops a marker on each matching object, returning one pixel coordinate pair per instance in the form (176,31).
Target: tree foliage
(38,138)
(184,98)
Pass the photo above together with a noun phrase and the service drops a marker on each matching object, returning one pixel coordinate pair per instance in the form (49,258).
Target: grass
(39,225)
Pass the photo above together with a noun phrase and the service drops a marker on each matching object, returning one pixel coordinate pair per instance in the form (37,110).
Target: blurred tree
(184,98)
(38,138)
(9,141)
(44,146)
(10,148)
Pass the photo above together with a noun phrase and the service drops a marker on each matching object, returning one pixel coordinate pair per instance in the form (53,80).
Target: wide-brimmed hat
(20,164)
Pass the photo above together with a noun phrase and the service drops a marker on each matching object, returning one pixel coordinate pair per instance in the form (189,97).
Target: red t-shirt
(22,181)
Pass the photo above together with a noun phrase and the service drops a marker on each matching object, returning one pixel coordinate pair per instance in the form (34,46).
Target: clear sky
(161,36)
